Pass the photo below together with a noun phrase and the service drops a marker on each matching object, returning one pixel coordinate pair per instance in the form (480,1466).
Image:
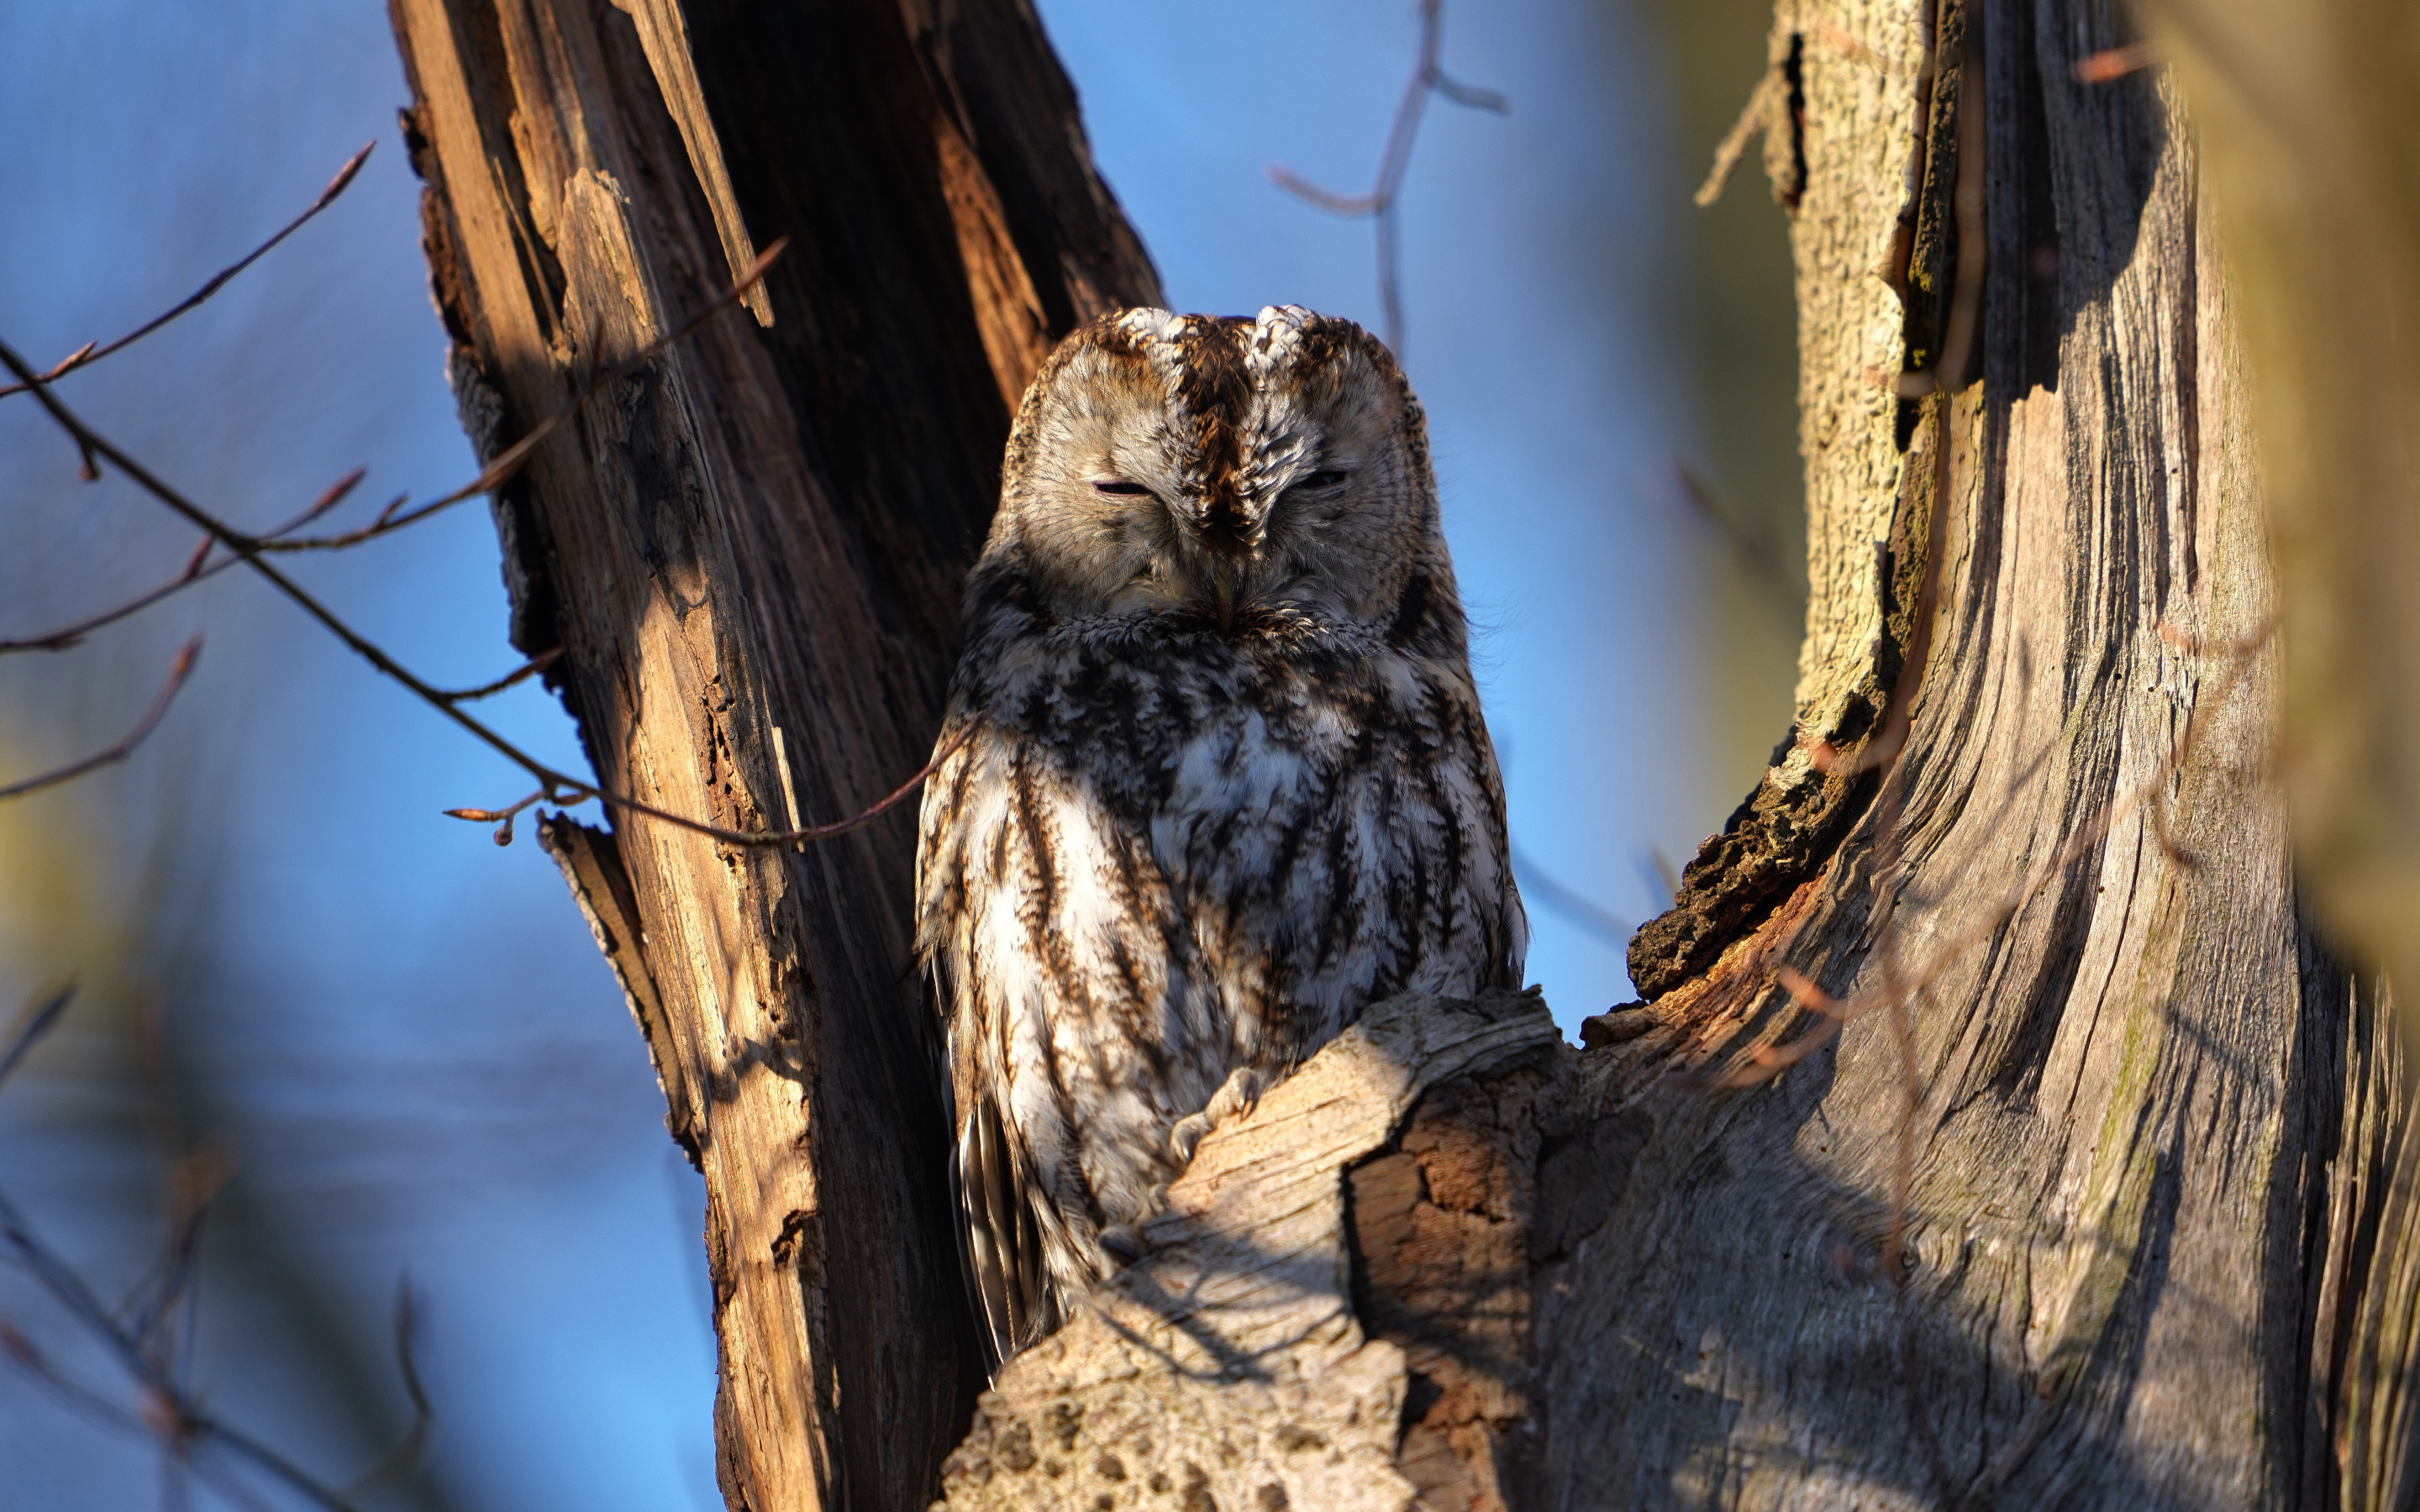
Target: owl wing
(992,1181)
(999,1242)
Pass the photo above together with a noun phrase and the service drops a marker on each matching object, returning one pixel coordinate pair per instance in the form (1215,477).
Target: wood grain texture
(1231,1366)
(2134,1161)
(663,33)
(766,528)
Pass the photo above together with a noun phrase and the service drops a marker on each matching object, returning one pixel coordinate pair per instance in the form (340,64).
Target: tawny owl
(1229,783)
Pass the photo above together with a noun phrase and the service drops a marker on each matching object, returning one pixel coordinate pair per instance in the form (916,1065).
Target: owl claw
(1241,1094)
(1187,1134)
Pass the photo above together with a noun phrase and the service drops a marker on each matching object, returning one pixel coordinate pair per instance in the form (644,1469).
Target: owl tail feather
(1000,1244)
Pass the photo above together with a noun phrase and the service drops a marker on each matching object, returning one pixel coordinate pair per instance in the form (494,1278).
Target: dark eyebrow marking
(1215,390)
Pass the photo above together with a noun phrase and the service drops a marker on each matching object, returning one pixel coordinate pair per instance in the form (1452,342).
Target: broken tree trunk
(1333,1312)
(1995,1128)
(748,551)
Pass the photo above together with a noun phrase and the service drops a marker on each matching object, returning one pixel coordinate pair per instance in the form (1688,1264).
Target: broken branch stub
(1333,1309)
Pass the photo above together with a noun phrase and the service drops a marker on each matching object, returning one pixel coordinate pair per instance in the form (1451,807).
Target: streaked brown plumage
(1231,783)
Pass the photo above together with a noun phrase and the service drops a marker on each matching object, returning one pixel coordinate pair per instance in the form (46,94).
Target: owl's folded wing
(1000,1241)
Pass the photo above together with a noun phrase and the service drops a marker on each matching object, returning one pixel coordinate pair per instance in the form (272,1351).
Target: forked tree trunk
(2099,1198)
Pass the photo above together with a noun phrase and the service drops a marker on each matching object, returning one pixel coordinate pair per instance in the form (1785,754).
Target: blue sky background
(399,1036)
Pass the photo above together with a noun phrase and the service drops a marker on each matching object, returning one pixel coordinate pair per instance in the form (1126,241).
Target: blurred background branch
(142,1336)
(1428,78)
(110,755)
(2313,152)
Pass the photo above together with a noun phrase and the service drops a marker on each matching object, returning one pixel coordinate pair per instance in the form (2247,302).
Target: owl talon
(1187,1134)
(1241,1094)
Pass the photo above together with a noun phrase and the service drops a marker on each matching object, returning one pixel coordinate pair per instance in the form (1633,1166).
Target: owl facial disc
(1220,470)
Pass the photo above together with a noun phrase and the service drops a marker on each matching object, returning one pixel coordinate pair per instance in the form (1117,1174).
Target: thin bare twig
(194,571)
(125,748)
(567,792)
(163,1407)
(400,1462)
(27,1356)
(198,1177)
(1753,552)
(509,461)
(37,1027)
(68,636)
(494,475)
(91,352)
(1655,870)
(1428,78)
(1754,118)
(2112,64)
(1575,906)
(181,1416)
(502,818)
(247,549)
(529,668)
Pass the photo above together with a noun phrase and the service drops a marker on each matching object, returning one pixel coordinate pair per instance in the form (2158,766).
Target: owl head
(1217,471)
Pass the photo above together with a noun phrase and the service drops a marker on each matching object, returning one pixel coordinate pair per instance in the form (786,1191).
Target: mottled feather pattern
(1230,784)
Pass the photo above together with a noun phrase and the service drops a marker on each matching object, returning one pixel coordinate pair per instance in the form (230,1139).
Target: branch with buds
(223,546)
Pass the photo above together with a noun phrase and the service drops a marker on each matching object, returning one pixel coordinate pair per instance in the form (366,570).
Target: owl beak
(1227,534)
(1222,588)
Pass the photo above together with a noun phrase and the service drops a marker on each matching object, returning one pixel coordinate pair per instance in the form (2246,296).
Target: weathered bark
(2102,1198)
(2151,1121)
(764,531)
(2314,164)
(1264,1352)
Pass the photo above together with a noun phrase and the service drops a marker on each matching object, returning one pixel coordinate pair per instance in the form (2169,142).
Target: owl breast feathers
(1228,785)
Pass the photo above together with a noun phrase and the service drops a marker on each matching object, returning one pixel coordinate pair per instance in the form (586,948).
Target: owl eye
(1322,479)
(1119,486)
